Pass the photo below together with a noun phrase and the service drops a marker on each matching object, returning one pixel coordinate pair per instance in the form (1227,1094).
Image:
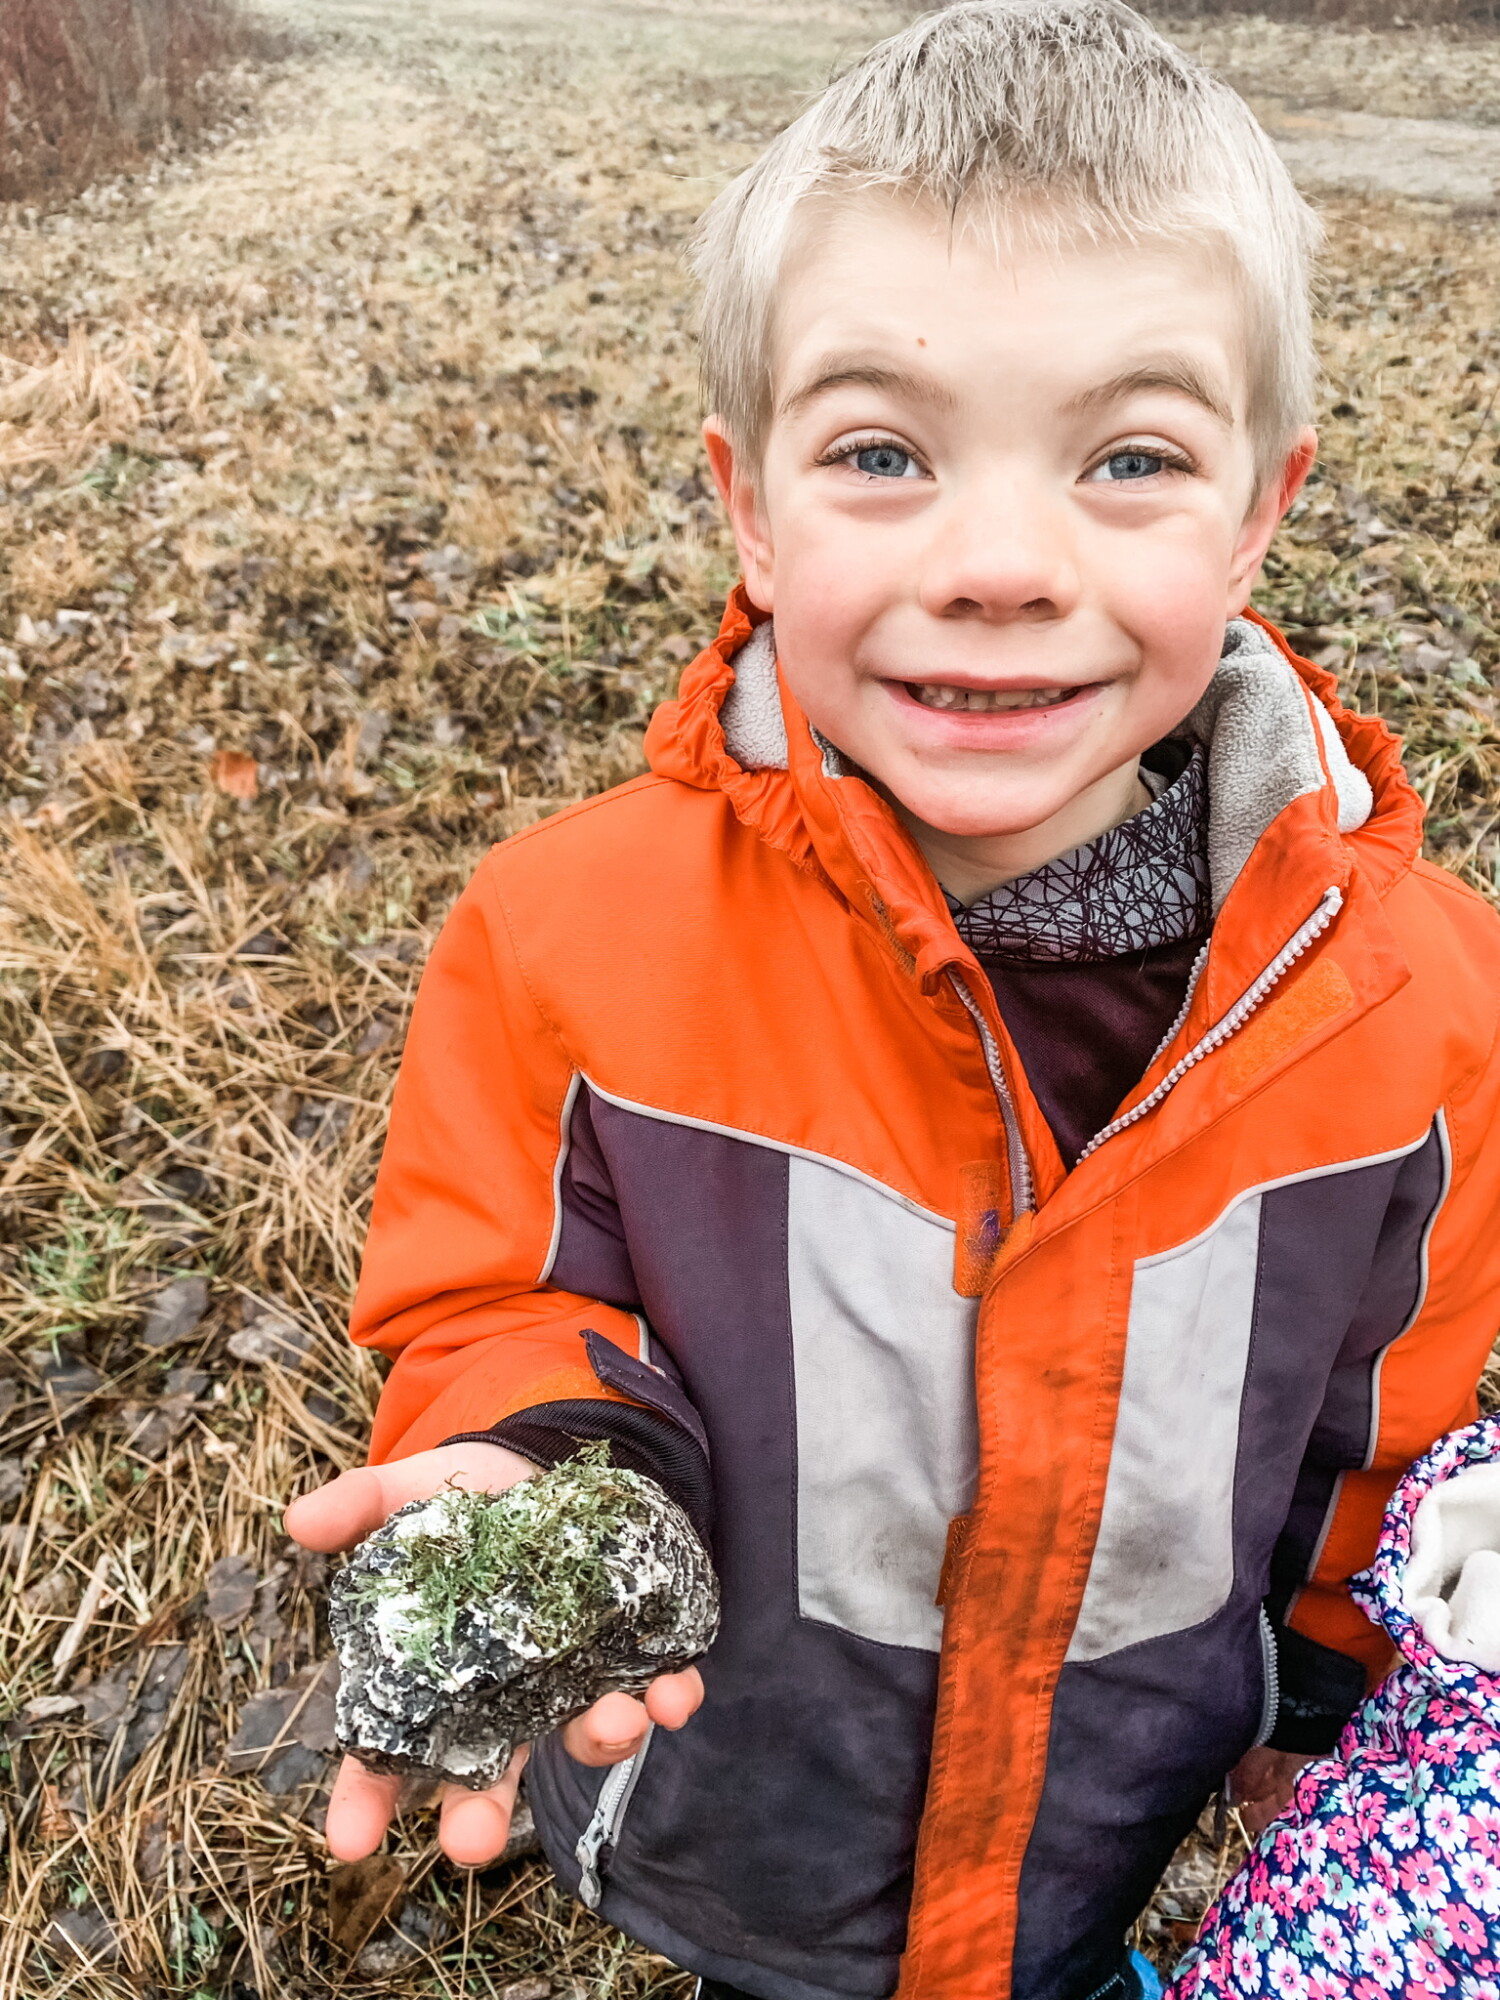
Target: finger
(339,1514)
(359,1811)
(354,1505)
(672,1698)
(473,1827)
(609,1732)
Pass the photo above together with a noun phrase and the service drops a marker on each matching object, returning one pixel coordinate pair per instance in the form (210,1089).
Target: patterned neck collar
(1143,883)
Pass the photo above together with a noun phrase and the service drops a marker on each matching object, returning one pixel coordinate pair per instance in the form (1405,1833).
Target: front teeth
(986,701)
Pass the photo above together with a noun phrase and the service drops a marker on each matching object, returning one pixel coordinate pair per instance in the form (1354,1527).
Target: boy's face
(1003,511)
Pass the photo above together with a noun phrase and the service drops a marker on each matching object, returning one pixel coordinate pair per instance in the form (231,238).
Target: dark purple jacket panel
(770,1842)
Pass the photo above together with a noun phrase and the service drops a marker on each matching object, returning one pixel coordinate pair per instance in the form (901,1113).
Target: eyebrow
(839,373)
(1173,372)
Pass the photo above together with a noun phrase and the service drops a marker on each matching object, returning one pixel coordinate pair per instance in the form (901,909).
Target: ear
(1265,517)
(741,500)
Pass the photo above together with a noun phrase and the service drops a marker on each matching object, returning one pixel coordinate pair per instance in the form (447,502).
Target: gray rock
(472,1622)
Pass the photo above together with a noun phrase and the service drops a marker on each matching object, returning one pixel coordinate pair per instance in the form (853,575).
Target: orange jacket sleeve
(465,1218)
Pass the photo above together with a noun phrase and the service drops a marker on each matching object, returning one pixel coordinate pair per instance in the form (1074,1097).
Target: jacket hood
(1272,726)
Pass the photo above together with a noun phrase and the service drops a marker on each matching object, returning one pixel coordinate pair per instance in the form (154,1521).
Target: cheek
(828,591)
(1167,592)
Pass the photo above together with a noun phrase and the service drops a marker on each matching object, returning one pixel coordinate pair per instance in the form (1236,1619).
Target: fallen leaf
(232,1582)
(68,1383)
(413,1934)
(85,1936)
(270,1337)
(235,773)
(51,1707)
(151,1428)
(175,1312)
(54,1821)
(360,1895)
(48,1595)
(151,1843)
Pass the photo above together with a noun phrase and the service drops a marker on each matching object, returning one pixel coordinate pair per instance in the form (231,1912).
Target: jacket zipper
(1270,1703)
(1022,1190)
(604,1828)
(1306,934)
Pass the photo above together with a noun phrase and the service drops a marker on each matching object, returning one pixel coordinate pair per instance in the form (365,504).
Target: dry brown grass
(355,518)
(95,86)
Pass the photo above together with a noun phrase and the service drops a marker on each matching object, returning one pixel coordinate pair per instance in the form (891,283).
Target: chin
(964,819)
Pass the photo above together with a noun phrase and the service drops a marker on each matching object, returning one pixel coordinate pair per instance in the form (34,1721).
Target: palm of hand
(473,1826)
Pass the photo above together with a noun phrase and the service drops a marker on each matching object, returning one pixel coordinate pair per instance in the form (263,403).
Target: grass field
(94,86)
(353,518)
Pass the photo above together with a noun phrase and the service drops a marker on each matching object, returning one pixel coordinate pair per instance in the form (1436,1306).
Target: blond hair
(1058,121)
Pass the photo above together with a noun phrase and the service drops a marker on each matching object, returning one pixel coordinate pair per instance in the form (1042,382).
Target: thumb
(354,1505)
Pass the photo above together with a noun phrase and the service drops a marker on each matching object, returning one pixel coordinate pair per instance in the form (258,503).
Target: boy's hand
(1261,1785)
(473,1826)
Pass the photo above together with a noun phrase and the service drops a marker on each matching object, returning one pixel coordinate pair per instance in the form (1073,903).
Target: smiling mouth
(987,701)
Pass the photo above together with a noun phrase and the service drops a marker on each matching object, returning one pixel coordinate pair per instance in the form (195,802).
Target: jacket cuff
(639,1440)
(1319,1690)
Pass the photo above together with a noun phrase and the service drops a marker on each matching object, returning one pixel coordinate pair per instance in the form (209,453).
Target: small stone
(473,1622)
(175,1311)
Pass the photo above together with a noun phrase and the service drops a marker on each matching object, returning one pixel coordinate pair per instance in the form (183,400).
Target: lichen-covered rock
(472,1622)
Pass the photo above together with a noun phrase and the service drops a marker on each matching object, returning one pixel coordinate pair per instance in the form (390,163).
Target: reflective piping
(1440,1126)
(1022,1192)
(1424,1274)
(604,1828)
(1306,934)
(1270,1701)
(565,1145)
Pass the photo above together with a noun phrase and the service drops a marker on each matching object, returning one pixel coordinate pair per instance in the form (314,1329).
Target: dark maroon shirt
(1091,955)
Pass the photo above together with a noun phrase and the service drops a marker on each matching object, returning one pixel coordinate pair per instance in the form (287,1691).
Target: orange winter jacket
(709,1132)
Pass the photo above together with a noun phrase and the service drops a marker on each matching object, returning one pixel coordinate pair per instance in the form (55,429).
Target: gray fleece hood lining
(1265,740)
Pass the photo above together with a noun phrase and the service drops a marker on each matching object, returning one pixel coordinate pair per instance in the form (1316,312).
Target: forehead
(970,303)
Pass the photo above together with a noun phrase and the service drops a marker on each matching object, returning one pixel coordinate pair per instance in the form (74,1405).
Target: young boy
(999,1122)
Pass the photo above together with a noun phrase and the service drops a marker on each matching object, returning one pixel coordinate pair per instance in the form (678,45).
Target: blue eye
(1121,466)
(886,461)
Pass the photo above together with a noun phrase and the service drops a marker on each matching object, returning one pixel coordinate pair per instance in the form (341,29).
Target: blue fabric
(1148,1976)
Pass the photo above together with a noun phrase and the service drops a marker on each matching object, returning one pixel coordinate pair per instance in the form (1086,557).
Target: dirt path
(1430,159)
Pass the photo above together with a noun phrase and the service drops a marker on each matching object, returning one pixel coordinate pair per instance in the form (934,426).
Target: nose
(1001,553)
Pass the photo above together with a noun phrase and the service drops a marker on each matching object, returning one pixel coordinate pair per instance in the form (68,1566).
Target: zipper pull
(586,1854)
(609,1810)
